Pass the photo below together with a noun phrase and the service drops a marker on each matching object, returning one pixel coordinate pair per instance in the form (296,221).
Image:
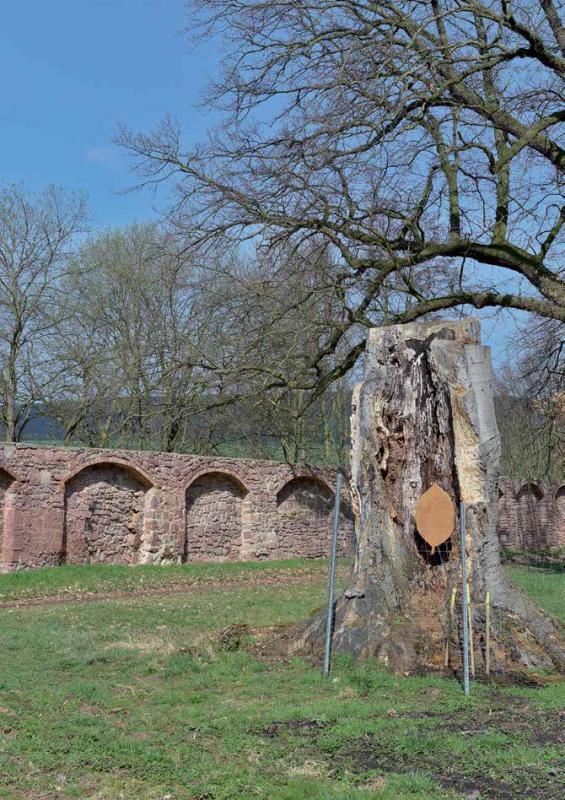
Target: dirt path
(198,585)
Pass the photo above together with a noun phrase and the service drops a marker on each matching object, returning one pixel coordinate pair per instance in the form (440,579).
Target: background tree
(530,394)
(420,144)
(282,308)
(135,353)
(420,141)
(37,232)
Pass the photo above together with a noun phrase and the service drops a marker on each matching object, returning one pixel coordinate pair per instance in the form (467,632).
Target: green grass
(545,585)
(103,578)
(149,697)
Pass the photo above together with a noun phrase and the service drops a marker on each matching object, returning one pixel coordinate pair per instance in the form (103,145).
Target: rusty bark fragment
(424,414)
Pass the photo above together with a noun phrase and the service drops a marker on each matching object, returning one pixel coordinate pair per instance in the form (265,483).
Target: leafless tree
(531,403)
(277,317)
(140,343)
(36,234)
(422,141)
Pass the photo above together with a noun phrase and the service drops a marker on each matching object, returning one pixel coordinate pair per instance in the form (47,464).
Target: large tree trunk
(424,414)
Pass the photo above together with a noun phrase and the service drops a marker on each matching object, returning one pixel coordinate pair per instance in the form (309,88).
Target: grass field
(128,683)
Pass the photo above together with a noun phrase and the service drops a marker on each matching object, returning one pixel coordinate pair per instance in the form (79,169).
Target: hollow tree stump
(424,414)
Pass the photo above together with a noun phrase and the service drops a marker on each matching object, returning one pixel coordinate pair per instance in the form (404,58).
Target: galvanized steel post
(463,524)
(331,577)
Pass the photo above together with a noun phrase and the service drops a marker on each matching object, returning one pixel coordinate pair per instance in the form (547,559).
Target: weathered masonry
(69,506)
(531,515)
(74,506)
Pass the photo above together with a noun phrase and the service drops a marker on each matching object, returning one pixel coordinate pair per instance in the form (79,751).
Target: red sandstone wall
(70,505)
(104,516)
(214,518)
(5,482)
(304,506)
(531,515)
(65,505)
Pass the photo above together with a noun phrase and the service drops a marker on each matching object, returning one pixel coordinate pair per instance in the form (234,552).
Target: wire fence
(475,627)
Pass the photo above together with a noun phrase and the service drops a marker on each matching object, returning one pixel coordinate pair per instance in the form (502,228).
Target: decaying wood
(424,415)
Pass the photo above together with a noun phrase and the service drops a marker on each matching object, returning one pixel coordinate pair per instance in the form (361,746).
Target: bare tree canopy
(37,232)
(143,357)
(125,339)
(422,141)
(530,396)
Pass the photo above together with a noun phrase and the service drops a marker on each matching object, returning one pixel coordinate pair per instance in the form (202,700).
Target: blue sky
(72,71)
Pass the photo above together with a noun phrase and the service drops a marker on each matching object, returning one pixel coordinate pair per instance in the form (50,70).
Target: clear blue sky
(72,70)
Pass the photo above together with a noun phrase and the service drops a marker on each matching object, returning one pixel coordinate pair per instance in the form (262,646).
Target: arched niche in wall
(105,509)
(530,491)
(530,530)
(560,503)
(215,503)
(505,527)
(6,483)
(304,508)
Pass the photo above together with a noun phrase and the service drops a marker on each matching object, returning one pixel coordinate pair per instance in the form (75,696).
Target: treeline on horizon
(127,338)
(322,441)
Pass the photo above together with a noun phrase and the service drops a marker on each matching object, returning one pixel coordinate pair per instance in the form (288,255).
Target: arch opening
(304,508)
(559,526)
(104,515)
(530,490)
(214,504)
(6,480)
(530,533)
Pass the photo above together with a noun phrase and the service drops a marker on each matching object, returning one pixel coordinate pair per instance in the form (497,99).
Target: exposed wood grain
(424,415)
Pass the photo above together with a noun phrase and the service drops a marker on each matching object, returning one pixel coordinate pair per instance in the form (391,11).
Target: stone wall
(65,505)
(531,515)
(303,507)
(104,516)
(5,483)
(214,518)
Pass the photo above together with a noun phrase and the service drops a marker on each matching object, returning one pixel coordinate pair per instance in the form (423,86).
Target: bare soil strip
(198,585)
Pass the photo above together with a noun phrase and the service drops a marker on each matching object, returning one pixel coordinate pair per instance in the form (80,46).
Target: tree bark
(424,414)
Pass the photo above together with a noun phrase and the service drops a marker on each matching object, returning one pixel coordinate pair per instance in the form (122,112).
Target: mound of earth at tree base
(424,415)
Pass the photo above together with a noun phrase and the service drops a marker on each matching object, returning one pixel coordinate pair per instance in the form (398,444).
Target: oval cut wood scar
(435,516)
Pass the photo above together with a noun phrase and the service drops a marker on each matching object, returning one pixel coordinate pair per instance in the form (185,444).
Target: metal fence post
(463,525)
(331,577)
